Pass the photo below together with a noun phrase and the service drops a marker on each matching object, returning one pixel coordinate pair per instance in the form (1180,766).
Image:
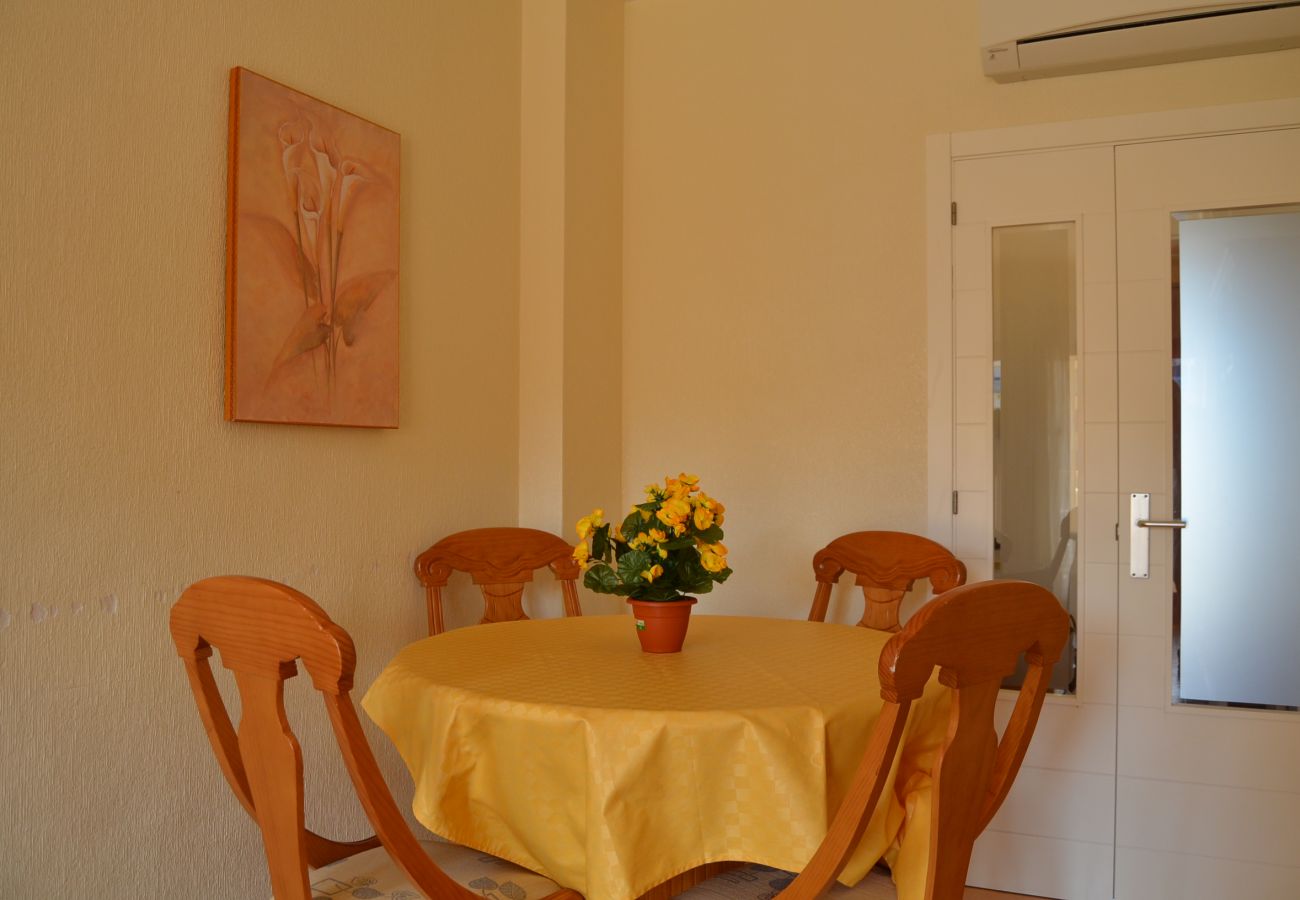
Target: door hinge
(954,503)
(954,212)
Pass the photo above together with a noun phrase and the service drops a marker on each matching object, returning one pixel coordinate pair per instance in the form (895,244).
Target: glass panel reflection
(1036,416)
(1236,479)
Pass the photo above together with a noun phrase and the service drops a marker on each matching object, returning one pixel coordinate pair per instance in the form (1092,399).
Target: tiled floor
(878,886)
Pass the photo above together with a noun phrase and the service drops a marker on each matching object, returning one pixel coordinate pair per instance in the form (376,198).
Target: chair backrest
(975,635)
(261,628)
(887,564)
(500,561)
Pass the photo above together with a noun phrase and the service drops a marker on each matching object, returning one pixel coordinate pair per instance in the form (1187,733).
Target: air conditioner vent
(1139,40)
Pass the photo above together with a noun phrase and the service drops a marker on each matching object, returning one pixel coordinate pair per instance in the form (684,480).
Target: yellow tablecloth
(559,745)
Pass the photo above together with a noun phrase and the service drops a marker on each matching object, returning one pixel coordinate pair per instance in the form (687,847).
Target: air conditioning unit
(1032,39)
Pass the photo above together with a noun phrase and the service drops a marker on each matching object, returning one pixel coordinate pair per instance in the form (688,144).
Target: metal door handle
(1139,539)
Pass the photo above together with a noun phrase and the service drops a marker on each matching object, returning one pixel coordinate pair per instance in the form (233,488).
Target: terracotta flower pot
(661,624)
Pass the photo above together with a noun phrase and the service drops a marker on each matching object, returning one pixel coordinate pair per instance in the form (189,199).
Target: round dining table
(559,745)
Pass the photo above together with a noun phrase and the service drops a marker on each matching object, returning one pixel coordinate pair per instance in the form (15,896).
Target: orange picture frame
(312,263)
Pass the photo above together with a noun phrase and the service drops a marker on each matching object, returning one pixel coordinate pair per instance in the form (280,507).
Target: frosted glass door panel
(1236,389)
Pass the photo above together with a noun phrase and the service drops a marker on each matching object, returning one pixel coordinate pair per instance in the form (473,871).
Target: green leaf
(631,565)
(679,543)
(632,525)
(649,507)
(602,579)
(722,576)
(710,535)
(600,542)
(691,571)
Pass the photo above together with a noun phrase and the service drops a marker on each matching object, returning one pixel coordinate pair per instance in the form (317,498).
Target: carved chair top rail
(496,556)
(888,559)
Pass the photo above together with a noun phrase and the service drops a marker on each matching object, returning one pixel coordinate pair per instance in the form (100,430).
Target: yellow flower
(703,517)
(719,512)
(663,554)
(659,535)
(679,529)
(582,553)
(588,524)
(653,492)
(712,562)
(674,511)
(681,486)
(639,541)
(652,573)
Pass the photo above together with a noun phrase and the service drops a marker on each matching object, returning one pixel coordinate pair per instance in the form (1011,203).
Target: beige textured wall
(122,483)
(774,266)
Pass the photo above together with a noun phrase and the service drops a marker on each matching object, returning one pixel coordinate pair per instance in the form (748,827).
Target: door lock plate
(1139,538)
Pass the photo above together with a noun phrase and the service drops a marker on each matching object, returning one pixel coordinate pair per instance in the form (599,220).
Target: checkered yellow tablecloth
(559,745)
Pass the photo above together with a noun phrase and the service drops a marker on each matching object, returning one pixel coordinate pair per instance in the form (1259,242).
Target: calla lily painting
(311,282)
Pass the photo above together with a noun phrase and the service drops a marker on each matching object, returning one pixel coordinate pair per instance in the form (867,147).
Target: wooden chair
(887,564)
(261,628)
(500,561)
(975,635)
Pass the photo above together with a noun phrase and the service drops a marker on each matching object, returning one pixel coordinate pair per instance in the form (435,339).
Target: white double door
(1128,792)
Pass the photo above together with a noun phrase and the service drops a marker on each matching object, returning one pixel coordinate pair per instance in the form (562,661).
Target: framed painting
(312,261)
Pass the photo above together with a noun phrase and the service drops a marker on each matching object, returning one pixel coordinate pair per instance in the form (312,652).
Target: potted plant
(666,549)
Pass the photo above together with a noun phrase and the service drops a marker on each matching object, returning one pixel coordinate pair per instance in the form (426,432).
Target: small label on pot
(640,624)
